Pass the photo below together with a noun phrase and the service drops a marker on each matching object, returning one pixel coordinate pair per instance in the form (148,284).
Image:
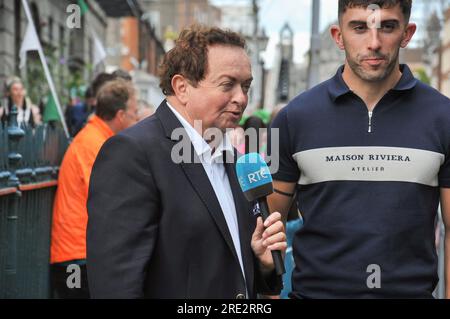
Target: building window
(61,41)
(50,30)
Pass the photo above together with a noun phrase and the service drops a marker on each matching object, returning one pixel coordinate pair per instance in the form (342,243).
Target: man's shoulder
(146,135)
(310,101)
(87,137)
(145,130)
(428,92)
(432,102)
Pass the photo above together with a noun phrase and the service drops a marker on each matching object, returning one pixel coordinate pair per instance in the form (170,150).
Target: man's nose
(239,96)
(374,41)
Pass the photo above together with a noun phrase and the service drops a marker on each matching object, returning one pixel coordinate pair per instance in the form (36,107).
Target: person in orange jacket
(116,110)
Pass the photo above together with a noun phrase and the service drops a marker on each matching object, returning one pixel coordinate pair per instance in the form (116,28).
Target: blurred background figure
(15,94)
(145,109)
(257,122)
(122,74)
(116,110)
(275,111)
(79,118)
(77,112)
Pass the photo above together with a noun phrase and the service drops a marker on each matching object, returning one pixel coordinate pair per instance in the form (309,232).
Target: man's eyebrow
(394,21)
(228,77)
(357,22)
(232,78)
(360,22)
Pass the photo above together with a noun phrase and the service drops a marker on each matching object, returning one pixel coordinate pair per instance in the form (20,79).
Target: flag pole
(46,70)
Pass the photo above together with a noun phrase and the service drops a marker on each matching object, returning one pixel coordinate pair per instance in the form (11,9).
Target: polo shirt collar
(407,81)
(338,87)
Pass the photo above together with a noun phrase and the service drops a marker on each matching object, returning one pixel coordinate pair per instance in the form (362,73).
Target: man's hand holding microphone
(269,238)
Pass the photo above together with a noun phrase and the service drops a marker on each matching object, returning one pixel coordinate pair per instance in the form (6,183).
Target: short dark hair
(89,93)
(404,4)
(189,57)
(104,77)
(253,122)
(99,81)
(112,97)
(119,73)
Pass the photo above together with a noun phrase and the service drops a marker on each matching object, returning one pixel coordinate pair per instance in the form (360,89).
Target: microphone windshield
(254,176)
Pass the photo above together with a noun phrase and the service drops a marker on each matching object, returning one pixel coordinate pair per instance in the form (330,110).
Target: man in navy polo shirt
(368,154)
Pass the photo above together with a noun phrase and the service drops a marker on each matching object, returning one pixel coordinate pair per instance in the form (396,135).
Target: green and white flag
(51,110)
(99,53)
(30,43)
(83,6)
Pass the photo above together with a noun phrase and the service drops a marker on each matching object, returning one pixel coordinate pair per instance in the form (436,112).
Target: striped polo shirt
(367,187)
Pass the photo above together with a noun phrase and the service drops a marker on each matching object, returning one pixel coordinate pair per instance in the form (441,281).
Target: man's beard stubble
(359,71)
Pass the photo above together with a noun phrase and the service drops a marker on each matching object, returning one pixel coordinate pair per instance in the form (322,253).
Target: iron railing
(29,163)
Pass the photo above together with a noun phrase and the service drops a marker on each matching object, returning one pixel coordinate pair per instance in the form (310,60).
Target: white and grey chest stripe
(369,164)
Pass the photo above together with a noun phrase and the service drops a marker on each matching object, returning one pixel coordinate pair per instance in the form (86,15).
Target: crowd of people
(79,109)
(110,104)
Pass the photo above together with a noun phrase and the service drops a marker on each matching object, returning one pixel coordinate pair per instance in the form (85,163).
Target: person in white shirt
(28,114)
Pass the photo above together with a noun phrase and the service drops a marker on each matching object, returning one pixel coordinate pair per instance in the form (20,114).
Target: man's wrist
(266,270)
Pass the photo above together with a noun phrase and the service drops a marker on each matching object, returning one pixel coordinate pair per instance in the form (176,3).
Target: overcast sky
(274,13)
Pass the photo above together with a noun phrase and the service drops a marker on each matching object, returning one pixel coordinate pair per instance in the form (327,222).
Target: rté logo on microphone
(259,175)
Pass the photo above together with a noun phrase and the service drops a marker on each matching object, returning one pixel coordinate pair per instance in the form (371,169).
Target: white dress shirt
(215,169)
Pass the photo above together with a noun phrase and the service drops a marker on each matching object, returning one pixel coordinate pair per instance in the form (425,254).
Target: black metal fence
(29,163)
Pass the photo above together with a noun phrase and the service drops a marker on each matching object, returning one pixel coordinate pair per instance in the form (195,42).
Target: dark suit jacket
(156,228)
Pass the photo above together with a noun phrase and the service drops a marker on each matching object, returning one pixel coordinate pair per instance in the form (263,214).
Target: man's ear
(180,87)
(409,32)
(120,115)
(336,34)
